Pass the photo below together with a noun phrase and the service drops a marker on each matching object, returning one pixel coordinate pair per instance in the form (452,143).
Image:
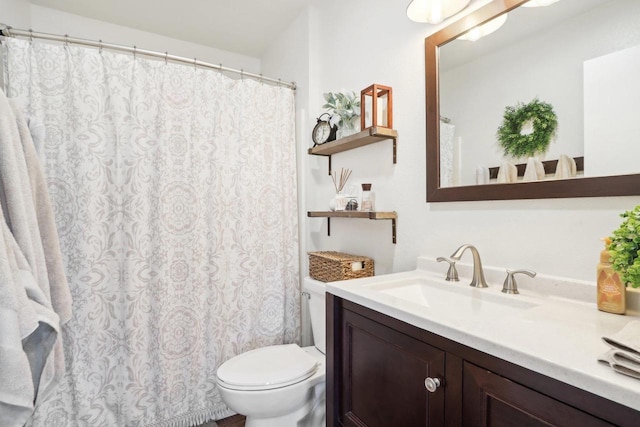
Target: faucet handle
(452,273)
(510,286)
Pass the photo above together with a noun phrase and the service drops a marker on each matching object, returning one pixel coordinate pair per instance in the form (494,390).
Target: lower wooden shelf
(393,216)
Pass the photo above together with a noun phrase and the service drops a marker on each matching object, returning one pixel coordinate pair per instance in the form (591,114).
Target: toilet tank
(316,291)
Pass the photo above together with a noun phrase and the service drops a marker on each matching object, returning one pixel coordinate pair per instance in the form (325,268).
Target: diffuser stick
(339,181)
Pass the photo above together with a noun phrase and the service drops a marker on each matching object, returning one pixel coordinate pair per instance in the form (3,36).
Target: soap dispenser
(611,290)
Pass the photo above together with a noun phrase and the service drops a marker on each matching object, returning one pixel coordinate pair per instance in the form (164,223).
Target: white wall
(53,21)
(360,42)
(15,13)
(611,105)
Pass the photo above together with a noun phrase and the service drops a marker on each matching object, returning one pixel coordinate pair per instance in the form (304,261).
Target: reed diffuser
(339,202)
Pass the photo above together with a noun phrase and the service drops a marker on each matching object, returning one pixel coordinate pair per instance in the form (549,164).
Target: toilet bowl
(281,385)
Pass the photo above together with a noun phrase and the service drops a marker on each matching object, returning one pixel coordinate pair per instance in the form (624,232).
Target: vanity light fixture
(539,3)
(480,31)
(434,11)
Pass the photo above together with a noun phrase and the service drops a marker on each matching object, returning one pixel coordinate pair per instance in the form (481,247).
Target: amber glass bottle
(611,290)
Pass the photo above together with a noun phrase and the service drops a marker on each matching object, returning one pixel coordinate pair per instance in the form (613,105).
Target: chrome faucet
(510,286)
(478,274)
(452,273)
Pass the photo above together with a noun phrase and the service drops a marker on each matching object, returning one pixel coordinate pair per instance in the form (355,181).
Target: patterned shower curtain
(447,154)
(174,191)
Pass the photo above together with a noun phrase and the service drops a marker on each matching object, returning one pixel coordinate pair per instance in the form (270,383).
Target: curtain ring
(241,74)
(66,40)
(195,62)
(100,50)
(135,49)
(220,69)
(166,58)
(279,82)
(30,36)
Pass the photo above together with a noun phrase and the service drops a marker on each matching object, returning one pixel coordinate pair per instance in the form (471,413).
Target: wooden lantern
(376,104)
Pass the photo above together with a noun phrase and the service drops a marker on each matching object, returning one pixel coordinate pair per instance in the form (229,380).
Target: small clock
(323,131)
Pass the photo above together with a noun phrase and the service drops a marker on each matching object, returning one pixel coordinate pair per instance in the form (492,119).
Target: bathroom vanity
(411,349)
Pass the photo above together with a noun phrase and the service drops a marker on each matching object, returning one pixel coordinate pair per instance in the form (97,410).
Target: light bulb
(539,3)
(485,29)
(434,11)
(435,14)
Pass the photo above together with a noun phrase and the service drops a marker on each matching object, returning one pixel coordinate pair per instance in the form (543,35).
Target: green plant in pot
(345,105)
(625,248)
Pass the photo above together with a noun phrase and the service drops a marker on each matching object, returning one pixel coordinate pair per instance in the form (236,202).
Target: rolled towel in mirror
(507,173)
(534,170)
(566,167)
(482,175)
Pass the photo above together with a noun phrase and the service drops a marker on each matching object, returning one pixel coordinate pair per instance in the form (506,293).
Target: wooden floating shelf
(353,214)
(393,216)
(360,139)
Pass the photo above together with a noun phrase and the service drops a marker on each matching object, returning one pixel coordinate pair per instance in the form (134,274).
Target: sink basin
(447,296)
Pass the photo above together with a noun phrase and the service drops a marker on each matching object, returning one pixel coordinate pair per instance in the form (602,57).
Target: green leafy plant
(625,248)
(345,105)
(545,124)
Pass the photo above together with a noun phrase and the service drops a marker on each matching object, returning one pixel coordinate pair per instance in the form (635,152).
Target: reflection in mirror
(579,57)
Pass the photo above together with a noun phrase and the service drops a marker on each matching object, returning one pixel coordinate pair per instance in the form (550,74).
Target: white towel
(482,175)
(18,319)
(625,354)
(534,170)
(34,294)
(566,167)
(47,247)
(623,362)
(507,173)
(627,339)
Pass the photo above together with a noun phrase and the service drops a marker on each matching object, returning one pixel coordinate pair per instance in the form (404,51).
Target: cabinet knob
(432,384)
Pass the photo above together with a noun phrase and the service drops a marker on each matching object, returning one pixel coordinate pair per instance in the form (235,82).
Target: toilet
(281,385)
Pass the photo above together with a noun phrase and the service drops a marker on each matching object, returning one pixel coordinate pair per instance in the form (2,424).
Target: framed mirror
(581,57)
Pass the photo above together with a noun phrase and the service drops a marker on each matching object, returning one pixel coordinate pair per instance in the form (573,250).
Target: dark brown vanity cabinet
(377,367)
(491,400)
(386,367)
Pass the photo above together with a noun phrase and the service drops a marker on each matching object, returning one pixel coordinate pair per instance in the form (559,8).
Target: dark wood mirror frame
(622,185)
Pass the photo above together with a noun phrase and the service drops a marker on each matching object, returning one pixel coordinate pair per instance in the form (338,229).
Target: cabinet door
(494,401)
(383,374)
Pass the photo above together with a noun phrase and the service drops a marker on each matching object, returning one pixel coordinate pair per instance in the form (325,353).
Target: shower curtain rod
(8,31)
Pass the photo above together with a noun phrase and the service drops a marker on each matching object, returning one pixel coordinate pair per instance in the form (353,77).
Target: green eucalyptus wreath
(625,248)
(545,123)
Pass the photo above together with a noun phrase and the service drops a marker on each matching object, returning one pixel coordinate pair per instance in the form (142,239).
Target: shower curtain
(174,192)
(447,132)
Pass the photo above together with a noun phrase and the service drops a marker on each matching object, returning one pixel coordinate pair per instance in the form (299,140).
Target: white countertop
(552,327)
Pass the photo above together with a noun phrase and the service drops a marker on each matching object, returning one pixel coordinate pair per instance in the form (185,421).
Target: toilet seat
(267,368)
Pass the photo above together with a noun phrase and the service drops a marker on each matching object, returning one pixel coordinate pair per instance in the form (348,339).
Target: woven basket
(329,266)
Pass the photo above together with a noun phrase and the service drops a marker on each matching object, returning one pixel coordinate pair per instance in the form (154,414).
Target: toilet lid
(267,367)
